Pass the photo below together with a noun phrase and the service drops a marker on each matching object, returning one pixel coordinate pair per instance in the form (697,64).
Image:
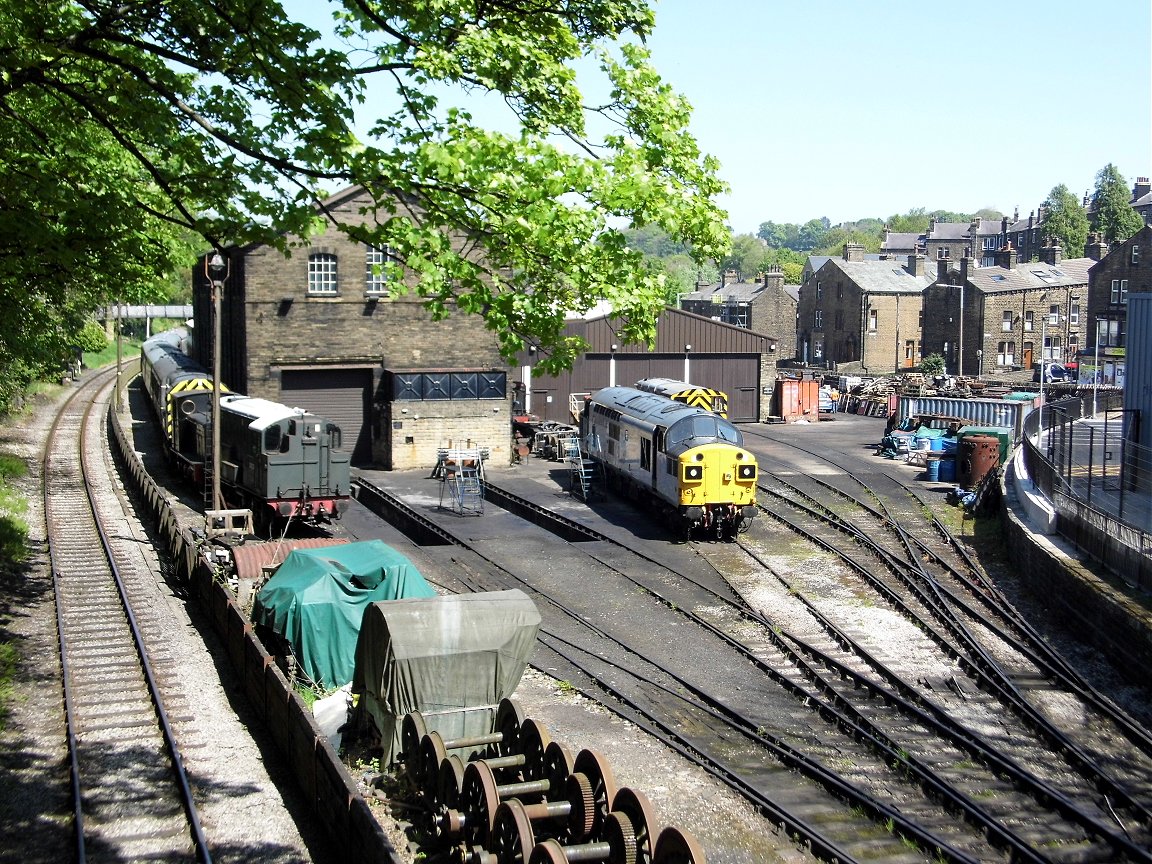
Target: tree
(748,256)
(237,137)
(1113,214)
(1065,220)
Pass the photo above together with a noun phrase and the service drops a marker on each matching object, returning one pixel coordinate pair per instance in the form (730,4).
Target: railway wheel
(674,846)
(412,731)
(602,783)
(511,839)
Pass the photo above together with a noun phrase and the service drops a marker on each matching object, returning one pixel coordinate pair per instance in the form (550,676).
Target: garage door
(341,396)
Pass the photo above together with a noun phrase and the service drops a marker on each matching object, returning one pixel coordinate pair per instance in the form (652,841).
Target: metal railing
(1097,479)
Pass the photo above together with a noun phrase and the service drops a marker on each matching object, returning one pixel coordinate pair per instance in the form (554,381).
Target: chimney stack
(774,277)
(915,264)
(1096,248)
(942,270)
(1006,256)
(1051,253)
(853,251)
(1142,188)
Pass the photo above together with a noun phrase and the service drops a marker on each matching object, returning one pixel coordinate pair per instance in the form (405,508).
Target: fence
(1097,479)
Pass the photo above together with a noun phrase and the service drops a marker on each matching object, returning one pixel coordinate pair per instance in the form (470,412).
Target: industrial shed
(688,347)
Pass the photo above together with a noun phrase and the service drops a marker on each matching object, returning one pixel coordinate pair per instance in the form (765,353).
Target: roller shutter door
(338,395)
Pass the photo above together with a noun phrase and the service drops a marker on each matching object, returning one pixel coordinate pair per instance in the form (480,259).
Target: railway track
(768,715)
(1000,653)
(131,796)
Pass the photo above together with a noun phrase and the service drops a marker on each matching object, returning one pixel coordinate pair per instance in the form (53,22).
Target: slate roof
(901,240)
(1031,277)
(738,291)
(883,277)
(950,231)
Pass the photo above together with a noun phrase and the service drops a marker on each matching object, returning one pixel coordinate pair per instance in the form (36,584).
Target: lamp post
(216,269)
(1096,368)
(687,351)
(612,365)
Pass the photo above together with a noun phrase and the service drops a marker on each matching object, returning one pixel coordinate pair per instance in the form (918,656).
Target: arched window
(322,275)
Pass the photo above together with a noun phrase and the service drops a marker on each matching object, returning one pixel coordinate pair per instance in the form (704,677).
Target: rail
(1096,478)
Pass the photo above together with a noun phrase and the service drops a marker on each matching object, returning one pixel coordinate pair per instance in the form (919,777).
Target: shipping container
(974,412)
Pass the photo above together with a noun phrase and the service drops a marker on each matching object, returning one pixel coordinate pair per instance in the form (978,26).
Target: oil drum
(978,455)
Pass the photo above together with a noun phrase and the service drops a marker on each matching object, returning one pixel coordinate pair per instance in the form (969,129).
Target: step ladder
(584,472)
(462,481)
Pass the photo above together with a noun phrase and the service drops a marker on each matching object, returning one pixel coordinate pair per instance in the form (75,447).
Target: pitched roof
(901,240)
(950,231)
(884,277)
(1031,276)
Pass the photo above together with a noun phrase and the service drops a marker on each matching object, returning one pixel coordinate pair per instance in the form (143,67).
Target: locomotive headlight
(693,472)
(746,472)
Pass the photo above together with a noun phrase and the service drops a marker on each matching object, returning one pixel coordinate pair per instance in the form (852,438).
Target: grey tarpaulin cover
(453,658)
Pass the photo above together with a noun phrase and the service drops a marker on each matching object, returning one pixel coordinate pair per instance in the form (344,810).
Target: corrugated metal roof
(675,329)
(251,558)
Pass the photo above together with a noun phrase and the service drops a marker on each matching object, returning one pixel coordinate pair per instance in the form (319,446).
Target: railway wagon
(715,401)
(686,460)
(279,462)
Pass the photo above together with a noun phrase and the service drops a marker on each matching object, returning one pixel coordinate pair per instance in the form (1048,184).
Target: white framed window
(1135,254)
(819,291)
(375,280)
(1119,291)
(1006,354)
(1028,320)
(1006,321)
(872,320)
(818,319)
(1074,314)
(322,274)
(1053,315)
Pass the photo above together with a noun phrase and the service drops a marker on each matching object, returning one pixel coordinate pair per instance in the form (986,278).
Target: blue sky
(849,110)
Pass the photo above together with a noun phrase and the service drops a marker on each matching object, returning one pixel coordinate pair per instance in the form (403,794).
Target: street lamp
(216,269)
(612,365)
(687,351)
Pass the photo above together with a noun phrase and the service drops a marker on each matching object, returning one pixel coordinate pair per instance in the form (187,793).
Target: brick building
(1126,269)
(1009,316)
(323,331)
(862,315)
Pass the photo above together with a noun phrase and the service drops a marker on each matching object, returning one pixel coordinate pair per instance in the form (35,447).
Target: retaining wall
(1099,607)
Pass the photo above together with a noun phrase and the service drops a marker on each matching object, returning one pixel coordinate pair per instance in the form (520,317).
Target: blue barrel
(948,445)
(932,466)
(948,470)
(937,444)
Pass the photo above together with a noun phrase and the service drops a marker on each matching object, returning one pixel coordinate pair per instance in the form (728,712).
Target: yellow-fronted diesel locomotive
(685,459)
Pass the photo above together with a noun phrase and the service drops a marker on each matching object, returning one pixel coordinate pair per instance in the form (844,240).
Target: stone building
(862,315)
(946,241)
(1126,269)
(323,330)
(1009,316)
(765,306)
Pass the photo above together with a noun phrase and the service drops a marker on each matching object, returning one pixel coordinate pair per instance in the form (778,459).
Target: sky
(849,110)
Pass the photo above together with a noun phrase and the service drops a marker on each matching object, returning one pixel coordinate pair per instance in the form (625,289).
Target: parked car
(826,403)
(1053,372)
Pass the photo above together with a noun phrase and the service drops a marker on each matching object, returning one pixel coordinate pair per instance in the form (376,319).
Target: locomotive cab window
(645,454)
(272,439)
(335,438)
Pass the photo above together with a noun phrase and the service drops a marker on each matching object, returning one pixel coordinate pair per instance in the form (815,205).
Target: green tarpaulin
(453,658)
(317,597)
